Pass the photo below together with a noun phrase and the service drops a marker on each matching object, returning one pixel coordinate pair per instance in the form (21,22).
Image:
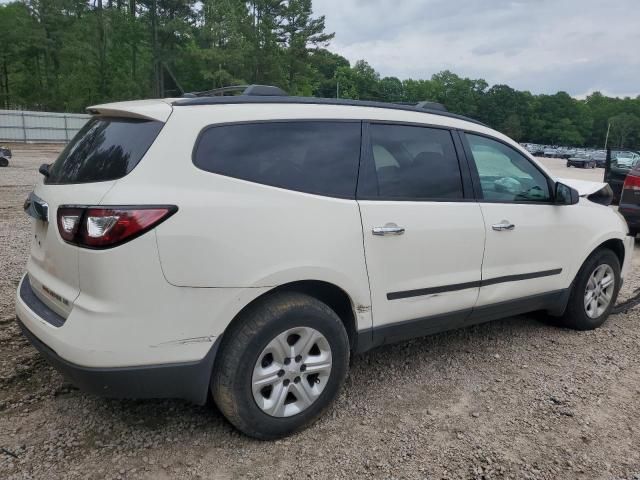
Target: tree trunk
(5,82)
(157,72)
(134,43)
(102,52)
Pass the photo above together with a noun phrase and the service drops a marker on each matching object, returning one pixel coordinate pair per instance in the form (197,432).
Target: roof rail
(427,107)
(432,106)
(251,90)
(426,104)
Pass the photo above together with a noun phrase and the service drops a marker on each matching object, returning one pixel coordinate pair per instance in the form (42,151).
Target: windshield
(104,149)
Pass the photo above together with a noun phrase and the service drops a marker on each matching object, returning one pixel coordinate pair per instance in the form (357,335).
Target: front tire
(280,365)
(594,292)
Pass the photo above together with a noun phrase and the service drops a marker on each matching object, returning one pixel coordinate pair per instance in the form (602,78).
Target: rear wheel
(4,162)
(281,365)
(594,292)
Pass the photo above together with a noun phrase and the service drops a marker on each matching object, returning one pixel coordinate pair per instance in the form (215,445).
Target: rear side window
(312,157)
(415,163)
(104,149)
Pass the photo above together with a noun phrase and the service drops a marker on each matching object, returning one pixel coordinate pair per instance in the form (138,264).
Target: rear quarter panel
(230,233)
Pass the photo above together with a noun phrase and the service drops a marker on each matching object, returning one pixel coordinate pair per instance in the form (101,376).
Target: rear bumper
(188,381)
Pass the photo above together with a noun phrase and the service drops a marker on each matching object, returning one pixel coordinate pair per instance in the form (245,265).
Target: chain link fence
(39,127)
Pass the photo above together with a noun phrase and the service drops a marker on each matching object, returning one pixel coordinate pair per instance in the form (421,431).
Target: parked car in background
(550,152)
(565,153)
(626,158)
(600,158)
(629,205)
(581,160)
(622,162)
(5,155)
(244,248)
(534,149)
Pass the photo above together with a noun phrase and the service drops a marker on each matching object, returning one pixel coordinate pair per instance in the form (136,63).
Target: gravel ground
(511,399)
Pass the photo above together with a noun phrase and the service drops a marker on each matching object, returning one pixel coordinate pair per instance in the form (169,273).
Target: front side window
(505,174)
(415,163)
(307,156)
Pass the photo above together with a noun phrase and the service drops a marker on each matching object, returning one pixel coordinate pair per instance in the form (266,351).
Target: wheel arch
(614,244)
(332,295)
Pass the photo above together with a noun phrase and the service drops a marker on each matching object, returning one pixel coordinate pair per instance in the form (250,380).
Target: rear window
(307,156)
(104,149)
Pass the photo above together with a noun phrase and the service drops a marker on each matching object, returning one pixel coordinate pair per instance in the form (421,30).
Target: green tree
(68,54)
(300,33)
(624,127)
(391,89)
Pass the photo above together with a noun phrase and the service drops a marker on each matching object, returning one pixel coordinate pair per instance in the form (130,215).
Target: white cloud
(540,45)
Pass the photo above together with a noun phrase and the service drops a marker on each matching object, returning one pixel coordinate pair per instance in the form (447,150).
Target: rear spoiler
(143,109)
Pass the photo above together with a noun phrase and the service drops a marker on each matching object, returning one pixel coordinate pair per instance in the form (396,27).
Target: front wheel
(280,365)
(594,292)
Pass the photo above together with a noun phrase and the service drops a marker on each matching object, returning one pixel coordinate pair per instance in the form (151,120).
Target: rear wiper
(36,207)
(44,169)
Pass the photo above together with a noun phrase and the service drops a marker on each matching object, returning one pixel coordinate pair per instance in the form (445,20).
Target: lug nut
(280,373)
(298,358)
(286,382)
(287,361)
(303,367)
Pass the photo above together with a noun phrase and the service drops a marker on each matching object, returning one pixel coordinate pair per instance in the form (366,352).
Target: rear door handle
(388,229)
(503,225)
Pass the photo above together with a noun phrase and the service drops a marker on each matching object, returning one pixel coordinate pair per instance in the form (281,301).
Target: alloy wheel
(599,291)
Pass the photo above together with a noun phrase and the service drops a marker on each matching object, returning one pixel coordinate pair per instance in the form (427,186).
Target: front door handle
(503,225)
(388,229)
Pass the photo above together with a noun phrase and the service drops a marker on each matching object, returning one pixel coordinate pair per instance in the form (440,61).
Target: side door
(528,238)
(423,231)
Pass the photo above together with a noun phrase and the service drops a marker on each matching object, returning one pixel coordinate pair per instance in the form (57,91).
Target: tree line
(63,55)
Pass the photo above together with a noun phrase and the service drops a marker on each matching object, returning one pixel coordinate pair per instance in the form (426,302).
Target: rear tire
(4,162)
(590,301)
(261,382)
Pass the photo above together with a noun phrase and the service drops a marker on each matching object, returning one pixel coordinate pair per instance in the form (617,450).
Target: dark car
(581,160)
(5,155)
(621,163)
(600,158)
(630,200)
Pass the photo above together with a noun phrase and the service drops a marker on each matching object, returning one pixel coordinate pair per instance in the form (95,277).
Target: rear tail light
(631,183)
(105,227)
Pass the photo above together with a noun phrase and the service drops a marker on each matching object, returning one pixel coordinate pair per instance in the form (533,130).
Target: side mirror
(565,195)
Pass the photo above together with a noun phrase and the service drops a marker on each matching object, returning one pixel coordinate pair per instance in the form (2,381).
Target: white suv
(248,246)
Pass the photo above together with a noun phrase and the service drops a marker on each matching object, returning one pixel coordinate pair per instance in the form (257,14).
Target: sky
(544,46)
